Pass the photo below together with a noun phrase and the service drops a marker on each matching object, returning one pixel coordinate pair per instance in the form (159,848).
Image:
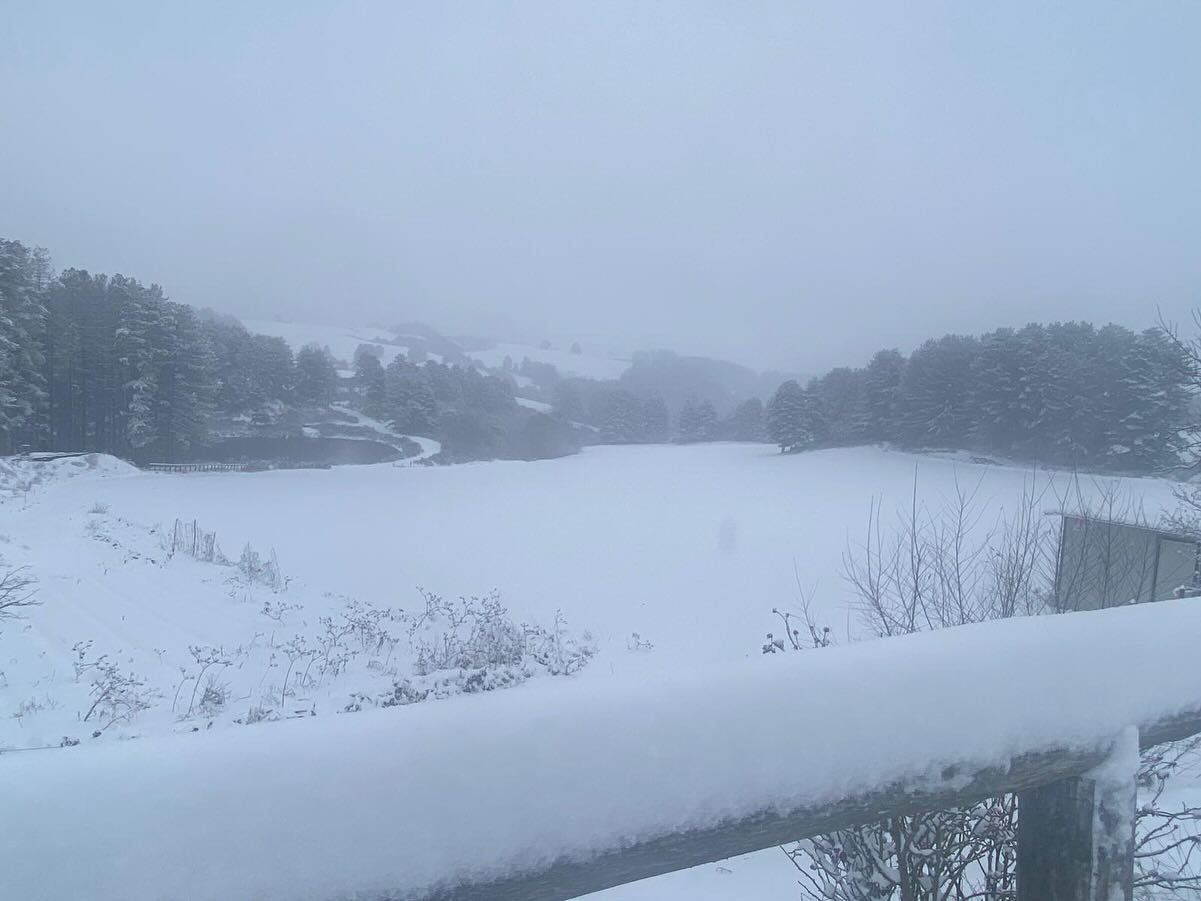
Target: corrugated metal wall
(1106,564)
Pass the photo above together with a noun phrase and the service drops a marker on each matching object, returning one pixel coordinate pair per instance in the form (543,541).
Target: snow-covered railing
(551,791)
(195,467)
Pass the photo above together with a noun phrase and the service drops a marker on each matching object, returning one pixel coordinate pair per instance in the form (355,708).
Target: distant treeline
(475,416)
(662,397)
(99,363)
(1065,394)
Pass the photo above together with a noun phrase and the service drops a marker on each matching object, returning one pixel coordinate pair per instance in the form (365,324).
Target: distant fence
(195,467)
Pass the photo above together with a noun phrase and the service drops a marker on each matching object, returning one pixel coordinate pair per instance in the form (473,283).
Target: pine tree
(23,396)
(274,368)
(881,392)
(137,324)
(655,426)
(698,421)
(994,391)
(786,414)
(567,402)
(316,376)
(370,382)
(934,406)
(837,407)
(185,364)
(745,422)
(623,419)
(410,403)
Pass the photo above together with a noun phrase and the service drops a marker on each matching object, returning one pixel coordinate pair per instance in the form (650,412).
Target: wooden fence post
(1076,836)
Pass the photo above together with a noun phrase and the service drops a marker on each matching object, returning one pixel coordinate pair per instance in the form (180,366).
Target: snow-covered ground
(535,405)
(587,365)
(670,557)
(485,787)
(342,342)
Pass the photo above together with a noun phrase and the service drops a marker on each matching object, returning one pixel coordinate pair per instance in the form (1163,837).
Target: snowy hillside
(589,365)
(342,342)
(181,603)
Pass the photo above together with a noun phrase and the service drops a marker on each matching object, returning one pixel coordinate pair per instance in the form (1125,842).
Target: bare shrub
(17,593)
(215,696)
(190,539)
(205,658)
(277,610)
(257,714)
(118,697)
(943,568)
(260,570)
(296,650)
(471,645)
(469,633)
(1168,839)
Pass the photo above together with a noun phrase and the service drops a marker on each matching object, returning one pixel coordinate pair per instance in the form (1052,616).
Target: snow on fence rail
(195,467)
(548,792)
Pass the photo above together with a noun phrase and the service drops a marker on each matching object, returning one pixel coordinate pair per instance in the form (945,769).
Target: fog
(782,184)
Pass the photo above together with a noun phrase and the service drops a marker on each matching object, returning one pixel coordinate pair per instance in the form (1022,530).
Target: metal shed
(1106,563)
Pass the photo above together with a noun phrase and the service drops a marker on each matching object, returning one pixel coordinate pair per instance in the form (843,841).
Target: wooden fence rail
(195,467)
(1024,774)
(554,791)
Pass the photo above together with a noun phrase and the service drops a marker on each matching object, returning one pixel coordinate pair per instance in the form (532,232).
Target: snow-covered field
(667,557)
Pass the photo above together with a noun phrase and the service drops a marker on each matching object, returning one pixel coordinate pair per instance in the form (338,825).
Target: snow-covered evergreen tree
(656,421)
(23,396)
(698,421)
(316,376)
(371,383)
(786,425)
(745,422)
(623,422)
(935,410)
(881,393)
(409,399)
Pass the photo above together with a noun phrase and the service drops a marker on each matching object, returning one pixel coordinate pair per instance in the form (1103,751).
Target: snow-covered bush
(471,645)
(258,713)
(190,539)
(559,652)
(205,659)
(469,633)
(259,570)
(117,696)
(215,695)
(253,567)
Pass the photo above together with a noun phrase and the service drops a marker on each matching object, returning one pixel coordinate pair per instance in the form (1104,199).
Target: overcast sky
(787,184)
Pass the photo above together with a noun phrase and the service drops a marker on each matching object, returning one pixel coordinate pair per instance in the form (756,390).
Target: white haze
(785,184)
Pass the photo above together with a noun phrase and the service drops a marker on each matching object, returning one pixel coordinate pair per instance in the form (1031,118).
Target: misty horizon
(787,187)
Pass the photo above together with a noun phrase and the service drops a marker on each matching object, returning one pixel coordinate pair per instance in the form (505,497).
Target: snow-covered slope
(670,556)
(342,342)
(585,365)
(688,547)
